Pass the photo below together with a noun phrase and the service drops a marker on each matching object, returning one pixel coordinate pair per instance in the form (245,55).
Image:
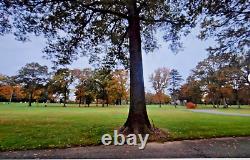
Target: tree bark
(137,121)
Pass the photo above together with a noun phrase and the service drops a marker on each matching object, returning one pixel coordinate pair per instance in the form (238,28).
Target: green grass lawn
(23,127)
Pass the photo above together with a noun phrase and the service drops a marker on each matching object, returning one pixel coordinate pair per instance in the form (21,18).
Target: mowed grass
(37,127)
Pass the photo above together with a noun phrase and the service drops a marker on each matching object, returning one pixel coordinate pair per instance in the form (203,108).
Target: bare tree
(159,80)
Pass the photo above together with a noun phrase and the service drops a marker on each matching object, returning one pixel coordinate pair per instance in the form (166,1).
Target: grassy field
(23,127)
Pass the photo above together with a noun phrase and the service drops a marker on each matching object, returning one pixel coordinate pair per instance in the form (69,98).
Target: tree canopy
(93,27)
(229,22)
(32,76)
(222,78)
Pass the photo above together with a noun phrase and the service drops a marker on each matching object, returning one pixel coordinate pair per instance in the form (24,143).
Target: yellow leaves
(6,91)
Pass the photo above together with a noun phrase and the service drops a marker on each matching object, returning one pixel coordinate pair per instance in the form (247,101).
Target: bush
(191,105)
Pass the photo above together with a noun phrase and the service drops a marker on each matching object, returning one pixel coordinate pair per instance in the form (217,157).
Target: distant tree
(191,91)
(244,94)
(235,76)
(6,92)
(8,86)
(159,80)
(51,88)
(80,93)
(18,94)
(117,86)
(32,77)
(221,76)
(89,98)
(37,95)
(61,82)
(149,98)
(102,78)
(161,98)
(154,98)
(82,78)
(175,81)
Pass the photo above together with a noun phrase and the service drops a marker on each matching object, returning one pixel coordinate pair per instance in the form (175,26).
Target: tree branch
(104,11)
(142,18)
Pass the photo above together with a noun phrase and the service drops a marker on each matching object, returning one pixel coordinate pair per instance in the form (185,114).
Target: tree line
(220,79)
(34,83)
(217,80)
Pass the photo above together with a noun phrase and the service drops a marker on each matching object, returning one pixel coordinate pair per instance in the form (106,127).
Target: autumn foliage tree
(160,81)
(222,77)
(83,78)
(7,87)
(191,91)
(32,77)
(10,93)
(61,81)
(117,86)
(6,92)
(152,98)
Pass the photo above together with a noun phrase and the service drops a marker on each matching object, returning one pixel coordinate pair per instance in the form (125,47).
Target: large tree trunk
(137,121)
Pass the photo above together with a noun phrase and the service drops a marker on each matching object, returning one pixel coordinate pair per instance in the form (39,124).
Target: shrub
(191,105)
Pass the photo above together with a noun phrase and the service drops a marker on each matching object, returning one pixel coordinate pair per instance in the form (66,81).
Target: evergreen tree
(175,81)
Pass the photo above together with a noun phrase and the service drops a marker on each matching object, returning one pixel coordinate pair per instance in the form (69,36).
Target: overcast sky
(15,54)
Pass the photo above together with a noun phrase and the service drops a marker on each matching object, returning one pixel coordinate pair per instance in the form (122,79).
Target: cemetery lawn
(39,127)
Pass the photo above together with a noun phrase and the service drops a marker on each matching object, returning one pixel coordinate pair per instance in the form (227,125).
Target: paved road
(216,147)
(220,113)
